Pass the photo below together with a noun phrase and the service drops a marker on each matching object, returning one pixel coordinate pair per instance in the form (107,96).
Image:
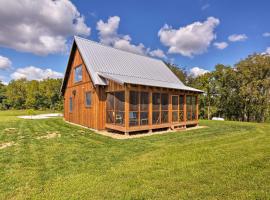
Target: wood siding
(86,116)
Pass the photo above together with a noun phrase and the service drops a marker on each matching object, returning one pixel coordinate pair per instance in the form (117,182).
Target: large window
(70,104)
(88,100)
(160,108)
(78,74)
(115,108)
(138,108)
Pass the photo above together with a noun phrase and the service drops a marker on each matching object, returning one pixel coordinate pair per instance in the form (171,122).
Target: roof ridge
(139,77)
(75,36)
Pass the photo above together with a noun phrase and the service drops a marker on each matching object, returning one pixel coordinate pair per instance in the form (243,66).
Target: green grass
(227,160)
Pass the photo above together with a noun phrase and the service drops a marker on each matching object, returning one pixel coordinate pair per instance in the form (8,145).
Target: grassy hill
(227,160)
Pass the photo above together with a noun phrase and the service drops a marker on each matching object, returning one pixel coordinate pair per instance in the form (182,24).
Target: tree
(178,71)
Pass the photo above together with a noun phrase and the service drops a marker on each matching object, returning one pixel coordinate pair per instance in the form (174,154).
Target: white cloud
(35,73)
(204,7)
(221,45)
(266,34)
(157,53)
(108,34)
(40,27)
(267,51)
(237,37)
(5,63)
(196,71)
(189,40)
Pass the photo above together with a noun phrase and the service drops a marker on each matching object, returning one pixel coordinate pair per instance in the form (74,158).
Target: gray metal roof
(104,62)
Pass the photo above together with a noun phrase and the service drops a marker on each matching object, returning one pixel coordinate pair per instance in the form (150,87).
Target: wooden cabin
(108,88)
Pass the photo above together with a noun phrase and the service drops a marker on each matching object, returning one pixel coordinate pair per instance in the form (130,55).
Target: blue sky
(35,41)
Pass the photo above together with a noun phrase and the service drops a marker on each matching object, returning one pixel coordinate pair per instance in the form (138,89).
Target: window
(78,74)
(115,108)
(70,104)
(88,100)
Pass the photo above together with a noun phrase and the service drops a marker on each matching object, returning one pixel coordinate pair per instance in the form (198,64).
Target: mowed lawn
(227,160)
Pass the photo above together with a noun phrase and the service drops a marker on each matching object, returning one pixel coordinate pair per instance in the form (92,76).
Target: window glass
(70,104)
(78,74)
(88,99)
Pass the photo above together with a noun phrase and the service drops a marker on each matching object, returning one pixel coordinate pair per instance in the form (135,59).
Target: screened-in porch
(134,110)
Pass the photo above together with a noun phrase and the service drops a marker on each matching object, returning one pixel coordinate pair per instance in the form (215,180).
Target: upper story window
(78,74)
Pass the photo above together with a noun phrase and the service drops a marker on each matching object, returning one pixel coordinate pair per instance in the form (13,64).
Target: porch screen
(189,108)
(133,108)
(181,108)
(156,108)
(138,109)
(144,107)
(160,108)
(115,108)
(175,108)
(164,108)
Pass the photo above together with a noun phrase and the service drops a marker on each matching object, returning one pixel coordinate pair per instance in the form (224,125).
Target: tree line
(31,94)
(240,92)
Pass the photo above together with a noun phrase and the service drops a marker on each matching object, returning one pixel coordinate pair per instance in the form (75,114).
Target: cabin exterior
(107,88)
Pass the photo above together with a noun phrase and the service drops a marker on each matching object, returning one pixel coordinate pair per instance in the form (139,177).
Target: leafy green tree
(178,71)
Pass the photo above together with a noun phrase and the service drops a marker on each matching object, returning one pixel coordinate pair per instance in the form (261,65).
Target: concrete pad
(41,116)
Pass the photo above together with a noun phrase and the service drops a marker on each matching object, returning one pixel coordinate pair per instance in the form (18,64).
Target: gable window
(78,74)
(70,104)
(88,99)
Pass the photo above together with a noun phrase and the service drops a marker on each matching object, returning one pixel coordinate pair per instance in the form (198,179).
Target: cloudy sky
(36,36)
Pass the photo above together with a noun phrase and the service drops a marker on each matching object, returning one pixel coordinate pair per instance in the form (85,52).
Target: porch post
(126,110)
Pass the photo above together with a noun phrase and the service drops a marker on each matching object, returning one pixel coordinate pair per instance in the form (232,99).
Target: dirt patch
(10,130)
(50,135)
(7,144)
